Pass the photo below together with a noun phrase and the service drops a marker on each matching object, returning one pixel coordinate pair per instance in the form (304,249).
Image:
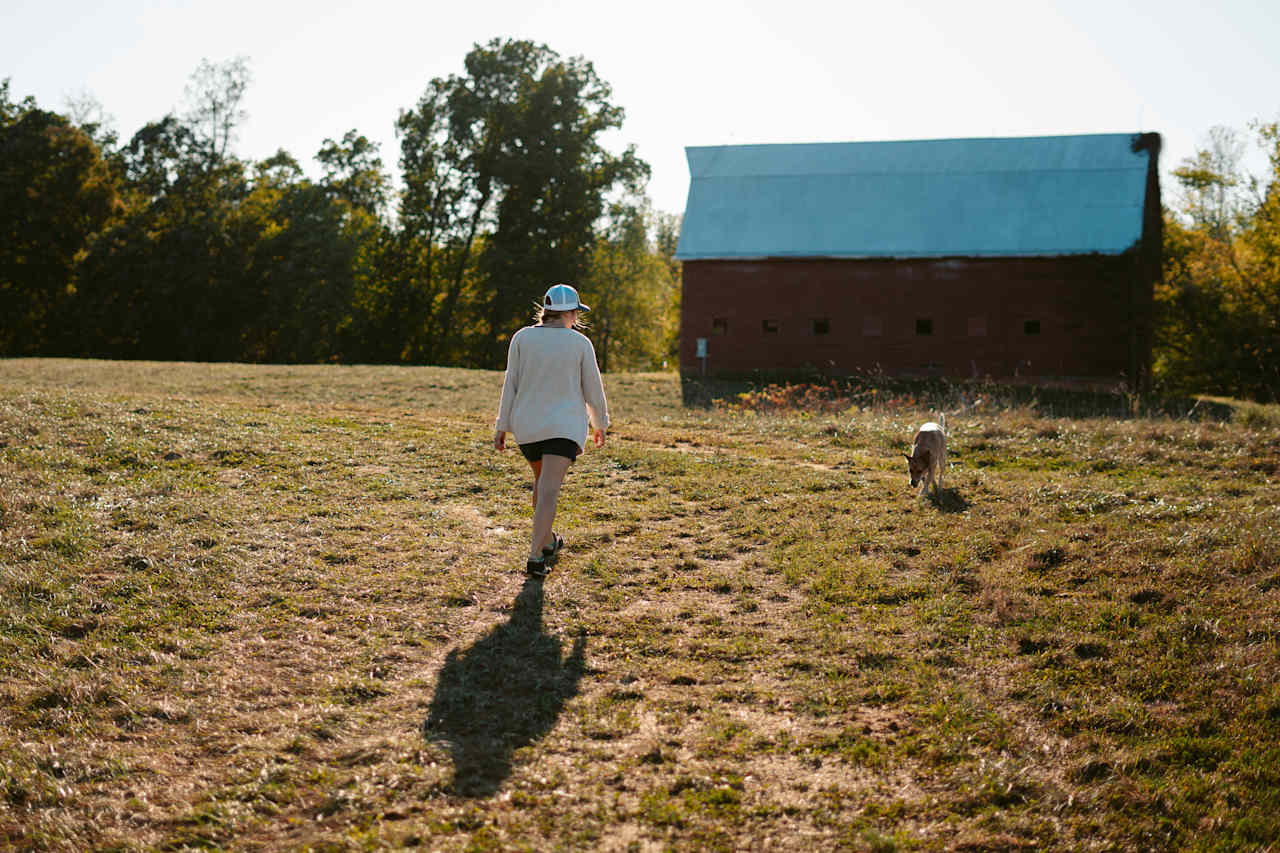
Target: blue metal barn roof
(1048,195)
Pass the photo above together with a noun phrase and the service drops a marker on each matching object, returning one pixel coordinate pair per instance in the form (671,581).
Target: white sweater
(552,387)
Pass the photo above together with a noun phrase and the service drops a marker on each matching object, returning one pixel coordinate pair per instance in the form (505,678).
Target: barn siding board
(1079,302)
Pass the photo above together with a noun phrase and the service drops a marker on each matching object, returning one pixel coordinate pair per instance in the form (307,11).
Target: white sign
(702,347)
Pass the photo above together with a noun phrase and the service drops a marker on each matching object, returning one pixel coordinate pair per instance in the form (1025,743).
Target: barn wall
(978,310)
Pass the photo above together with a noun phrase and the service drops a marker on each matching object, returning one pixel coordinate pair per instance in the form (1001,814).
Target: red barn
(1030,257)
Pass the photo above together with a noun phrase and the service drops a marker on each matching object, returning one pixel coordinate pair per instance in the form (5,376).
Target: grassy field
(256,607)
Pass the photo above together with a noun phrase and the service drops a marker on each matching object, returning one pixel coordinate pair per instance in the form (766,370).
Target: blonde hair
(541,316)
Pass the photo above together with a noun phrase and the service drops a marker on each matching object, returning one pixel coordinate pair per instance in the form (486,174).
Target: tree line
(1218,305)
(168,246)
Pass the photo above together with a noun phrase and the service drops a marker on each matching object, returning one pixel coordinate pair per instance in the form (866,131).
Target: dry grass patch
(275,607)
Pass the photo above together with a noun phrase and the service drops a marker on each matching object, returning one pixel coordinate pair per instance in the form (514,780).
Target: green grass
(264,607)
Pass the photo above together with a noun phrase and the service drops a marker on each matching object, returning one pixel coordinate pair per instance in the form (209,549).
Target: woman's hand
(597,437)
(500,440)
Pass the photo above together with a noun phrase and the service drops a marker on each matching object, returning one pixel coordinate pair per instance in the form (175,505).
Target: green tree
(87,113)
(1211,183)
(446,157)
(56,193)
(666,239)
(215,96)
(554,173)
(505,186)
(353,172)
(631,290)
(219,259)
(175,278)
(1218,306)
(1261,241)
(306,248)
(127,297)
(168,281)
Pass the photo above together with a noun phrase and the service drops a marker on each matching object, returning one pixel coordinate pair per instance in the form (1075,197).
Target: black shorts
(565,447)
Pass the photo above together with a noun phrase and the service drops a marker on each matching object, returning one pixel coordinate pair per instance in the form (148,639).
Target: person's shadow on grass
(504,692)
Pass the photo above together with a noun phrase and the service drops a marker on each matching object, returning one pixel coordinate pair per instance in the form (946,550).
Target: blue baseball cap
(562,297)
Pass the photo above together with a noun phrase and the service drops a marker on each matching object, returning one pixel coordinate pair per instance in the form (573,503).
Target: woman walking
(551,394)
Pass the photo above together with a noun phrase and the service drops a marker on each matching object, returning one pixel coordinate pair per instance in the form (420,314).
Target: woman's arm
(510,384)
(593,392)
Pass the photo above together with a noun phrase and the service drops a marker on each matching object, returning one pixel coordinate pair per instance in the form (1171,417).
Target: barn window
(720,326)
(770,327)
(924,325)
(977,327)
(873,327)
(1031,327)
(821,326)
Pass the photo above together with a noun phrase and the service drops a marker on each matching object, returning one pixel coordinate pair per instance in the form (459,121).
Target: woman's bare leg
(537,472)
(544,507)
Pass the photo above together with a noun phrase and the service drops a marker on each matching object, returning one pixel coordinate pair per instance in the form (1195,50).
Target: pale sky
(686,73)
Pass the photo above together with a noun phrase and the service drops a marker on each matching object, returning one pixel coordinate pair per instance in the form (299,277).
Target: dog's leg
(942,451)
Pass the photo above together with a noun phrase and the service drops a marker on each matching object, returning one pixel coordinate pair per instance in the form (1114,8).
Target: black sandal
(554,548)
(536,568)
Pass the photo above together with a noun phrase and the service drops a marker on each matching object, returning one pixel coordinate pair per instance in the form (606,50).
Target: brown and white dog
(928,458)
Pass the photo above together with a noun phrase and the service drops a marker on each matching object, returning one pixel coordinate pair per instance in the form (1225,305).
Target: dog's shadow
(948,500)
(504,692)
